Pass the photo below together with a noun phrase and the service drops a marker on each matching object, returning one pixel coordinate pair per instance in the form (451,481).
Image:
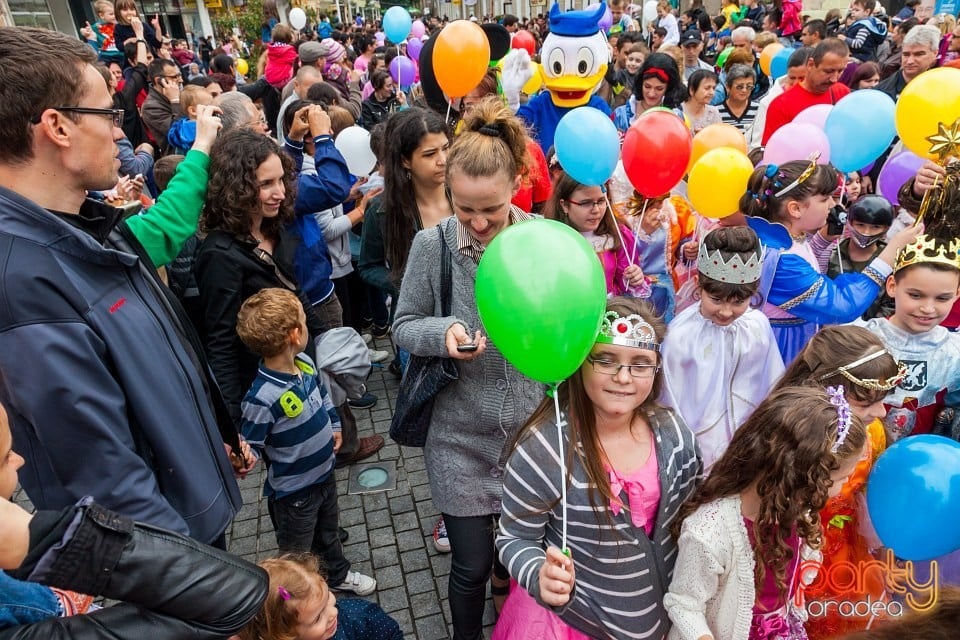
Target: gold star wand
(945,144)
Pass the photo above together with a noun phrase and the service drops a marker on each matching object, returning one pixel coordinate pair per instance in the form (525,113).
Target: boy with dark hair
(866,33)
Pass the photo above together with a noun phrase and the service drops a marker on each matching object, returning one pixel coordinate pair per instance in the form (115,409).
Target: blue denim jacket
(25,602)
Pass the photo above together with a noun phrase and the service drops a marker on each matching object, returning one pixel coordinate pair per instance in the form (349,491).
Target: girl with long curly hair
(857,359)
(747,536)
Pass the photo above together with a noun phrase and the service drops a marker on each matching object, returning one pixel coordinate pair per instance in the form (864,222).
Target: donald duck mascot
(573,62)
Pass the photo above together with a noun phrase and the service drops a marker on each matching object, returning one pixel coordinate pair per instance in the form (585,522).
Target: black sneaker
(365,401)
(380,331)
(343,534)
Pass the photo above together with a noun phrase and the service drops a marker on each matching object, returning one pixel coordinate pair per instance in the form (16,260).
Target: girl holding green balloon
(476,417)
(630,464)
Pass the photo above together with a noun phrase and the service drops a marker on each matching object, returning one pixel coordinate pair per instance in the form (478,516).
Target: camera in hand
(836,219)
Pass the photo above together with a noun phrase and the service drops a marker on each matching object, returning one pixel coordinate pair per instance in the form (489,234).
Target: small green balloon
(723,56)
(541,294)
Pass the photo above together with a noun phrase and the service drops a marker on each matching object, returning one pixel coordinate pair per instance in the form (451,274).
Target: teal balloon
(867,110)
(778,63)
(913,496)
(587,145)
(541,295)
(397,24)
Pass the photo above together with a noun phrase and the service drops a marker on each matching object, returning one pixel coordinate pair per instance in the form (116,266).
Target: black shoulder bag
(426,376)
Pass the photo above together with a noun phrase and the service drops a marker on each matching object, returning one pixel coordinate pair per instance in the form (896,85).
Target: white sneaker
(377,356)
(357,583)
(367,338)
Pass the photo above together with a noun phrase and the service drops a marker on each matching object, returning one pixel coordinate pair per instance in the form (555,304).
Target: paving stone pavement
(391,533)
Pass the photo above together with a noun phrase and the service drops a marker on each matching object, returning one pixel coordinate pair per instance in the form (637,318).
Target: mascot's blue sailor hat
(576,24)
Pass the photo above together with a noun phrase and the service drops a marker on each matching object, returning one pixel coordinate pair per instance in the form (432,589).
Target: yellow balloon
(242,66)
(716,136)
(535,82)
(767,55)
(930,99)
(718,180)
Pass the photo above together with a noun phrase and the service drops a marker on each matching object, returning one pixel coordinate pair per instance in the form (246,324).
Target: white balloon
(649,14)
(298,19)
(353,143)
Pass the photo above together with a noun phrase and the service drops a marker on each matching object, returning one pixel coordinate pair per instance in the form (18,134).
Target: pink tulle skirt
(523,619)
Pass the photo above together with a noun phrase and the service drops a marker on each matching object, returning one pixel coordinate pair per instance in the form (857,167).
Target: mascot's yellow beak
(570,91)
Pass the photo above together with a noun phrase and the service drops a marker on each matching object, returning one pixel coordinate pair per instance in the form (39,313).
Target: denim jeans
(473,557)
(307,521)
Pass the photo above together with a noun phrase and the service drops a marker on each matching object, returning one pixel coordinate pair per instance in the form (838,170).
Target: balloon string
(563,468)
(616,227)
(449,105)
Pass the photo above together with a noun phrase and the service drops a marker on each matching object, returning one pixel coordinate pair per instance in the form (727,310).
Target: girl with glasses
(584,208)
(628,464)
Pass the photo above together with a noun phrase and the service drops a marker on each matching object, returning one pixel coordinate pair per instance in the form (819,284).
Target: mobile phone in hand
(466,348)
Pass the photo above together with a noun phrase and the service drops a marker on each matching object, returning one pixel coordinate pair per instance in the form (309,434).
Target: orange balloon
(714,137)
(460,57)
(767,55)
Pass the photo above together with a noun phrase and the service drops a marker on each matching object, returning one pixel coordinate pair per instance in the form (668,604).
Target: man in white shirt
(796,71)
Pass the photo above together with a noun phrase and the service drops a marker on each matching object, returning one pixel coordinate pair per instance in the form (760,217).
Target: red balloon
(656,151)
(524,40)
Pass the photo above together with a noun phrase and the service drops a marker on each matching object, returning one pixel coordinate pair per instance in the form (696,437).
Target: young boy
(868,220)
(290,421)
(866,33)
(100,35)
(924,285)
(183,131)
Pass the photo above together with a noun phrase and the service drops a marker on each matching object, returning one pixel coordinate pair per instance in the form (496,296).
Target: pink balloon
(417,29)
(815,115)
(413,49)
(606,20)
(796,141)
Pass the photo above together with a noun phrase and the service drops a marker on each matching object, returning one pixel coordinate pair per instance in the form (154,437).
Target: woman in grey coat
(475,418)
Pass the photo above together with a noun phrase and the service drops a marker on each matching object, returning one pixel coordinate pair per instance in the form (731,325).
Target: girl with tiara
(627,464)
(747,535)
(788,205)
(584,207)
(856,359)
(720,358)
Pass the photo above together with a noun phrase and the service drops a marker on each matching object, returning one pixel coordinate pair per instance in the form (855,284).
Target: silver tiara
(627,331)
(732,271)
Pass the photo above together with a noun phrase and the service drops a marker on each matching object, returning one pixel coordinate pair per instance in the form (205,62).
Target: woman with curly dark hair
(749,539)
(247,248)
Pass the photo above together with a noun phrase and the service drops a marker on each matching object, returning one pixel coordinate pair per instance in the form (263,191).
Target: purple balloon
(403,71)
(607,20)
(898,169)
(796,141)
(413,49)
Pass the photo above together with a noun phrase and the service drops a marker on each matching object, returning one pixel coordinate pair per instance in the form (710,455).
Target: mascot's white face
(573,67)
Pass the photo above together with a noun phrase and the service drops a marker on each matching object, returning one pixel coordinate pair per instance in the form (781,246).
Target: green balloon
(723,56)
(541,294)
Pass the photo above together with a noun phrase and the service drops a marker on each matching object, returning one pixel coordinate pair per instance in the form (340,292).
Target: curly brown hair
(784,448)
(233,194)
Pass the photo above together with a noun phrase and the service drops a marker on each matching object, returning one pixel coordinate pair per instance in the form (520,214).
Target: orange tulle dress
(846,539)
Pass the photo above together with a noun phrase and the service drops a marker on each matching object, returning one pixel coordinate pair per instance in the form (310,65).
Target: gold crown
(926,250)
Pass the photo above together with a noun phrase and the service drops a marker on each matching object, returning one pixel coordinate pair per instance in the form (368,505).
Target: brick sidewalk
(390,532)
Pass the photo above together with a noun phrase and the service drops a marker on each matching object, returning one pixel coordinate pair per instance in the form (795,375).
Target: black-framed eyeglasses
(115,114)
(613,368)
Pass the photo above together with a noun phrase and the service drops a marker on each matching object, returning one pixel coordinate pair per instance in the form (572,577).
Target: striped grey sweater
(621,574)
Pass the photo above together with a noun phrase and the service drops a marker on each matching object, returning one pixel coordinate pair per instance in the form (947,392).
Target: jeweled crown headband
(627,331)
(844,416)
(869,383)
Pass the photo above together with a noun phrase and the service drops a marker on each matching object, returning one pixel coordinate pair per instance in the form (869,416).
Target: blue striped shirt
(290,421)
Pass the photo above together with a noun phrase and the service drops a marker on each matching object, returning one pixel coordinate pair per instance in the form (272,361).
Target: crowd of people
(193,277)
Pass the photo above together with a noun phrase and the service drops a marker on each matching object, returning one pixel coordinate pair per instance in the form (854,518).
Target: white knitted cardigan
(712,592)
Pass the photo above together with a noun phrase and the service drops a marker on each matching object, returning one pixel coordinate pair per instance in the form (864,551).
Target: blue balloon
(913,496)
(396,24)
(587,145)
(860,128)
(778,63)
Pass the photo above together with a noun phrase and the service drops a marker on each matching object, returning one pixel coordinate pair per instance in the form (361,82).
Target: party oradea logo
(855,586)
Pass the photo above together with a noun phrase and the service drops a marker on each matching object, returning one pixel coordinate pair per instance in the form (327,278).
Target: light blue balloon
(913,496)
(587,145)
(860,127)
(778,63)
(396,24)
